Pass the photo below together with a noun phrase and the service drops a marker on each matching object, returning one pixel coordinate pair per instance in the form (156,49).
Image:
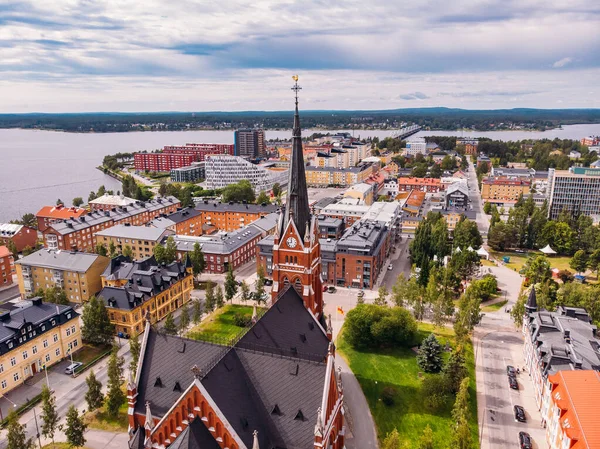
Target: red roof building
(570,408)
(430,185)
(5,267)
(48,215)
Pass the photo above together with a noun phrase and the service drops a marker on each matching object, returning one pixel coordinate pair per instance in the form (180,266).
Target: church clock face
(291,242)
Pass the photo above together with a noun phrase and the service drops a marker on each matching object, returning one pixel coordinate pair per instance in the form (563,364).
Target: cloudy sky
(186,55)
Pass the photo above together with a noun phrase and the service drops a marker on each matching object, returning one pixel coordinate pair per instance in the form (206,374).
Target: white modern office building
(222,170)
(576,190)
(415,146)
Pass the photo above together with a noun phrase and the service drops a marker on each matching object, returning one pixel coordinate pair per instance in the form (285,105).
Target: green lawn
(89,353)
(60,446)
(398,368)
(219,325)
(517,260)
(99,419)
(494,307)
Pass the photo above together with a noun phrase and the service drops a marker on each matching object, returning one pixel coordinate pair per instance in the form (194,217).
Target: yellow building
(141,239)
(133,289)
(362,192)
(502,189)
(77,273)
(35,334)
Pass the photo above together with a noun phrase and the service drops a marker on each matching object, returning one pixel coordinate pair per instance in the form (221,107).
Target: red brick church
(276,387)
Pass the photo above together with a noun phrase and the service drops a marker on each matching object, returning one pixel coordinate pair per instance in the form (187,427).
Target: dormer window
(53,322)
(69,316)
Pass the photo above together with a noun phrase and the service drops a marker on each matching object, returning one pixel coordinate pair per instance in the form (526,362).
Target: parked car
(511,371)
(268,281)
(324,288)
(512,382)
(390,267)
(72,367)
(331,289)
(525,441)
(520,413)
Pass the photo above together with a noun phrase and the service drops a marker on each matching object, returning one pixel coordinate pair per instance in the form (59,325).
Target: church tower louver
(296,250)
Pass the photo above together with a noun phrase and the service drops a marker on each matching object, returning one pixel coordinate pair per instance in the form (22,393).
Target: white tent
(458,250)
(470,248)
(547,250)
(481,252)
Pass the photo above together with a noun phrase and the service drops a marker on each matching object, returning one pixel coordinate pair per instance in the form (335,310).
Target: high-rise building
(576,190)
(249,143)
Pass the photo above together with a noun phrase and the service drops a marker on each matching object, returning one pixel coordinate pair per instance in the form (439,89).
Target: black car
(525,441)
(512,382)
(511,371)
(520,413)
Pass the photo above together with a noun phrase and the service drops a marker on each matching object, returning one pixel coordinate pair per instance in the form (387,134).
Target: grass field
(60,446)
(88,353)
(99,419)
(220,325)
(398,368)
(494,307)
(517,260)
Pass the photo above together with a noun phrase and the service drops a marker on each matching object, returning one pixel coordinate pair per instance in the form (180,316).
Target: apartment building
(193,173)
(363,192)
(79,233)
(108,202)
(21,236)
(141,239)
(6,264)
(223,250)
(453,215)
(564,340)
(417,145)
(590,141)
(228,217)
(570,410)
(249,143)
(503,190)
(469,144)
(48,215)
(222,171)
(414,202)
(429,185)
(329,176)
(34,334)
(185,221)
(576,190)
(131,290)
(348,213)
(457,195)
(200,150)
(162,162)
(78,274)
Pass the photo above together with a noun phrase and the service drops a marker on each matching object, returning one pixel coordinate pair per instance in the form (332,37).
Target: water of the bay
(38,167)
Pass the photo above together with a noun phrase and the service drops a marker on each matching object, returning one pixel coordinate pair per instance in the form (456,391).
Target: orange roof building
(430,185)
(570,409)
(48,215)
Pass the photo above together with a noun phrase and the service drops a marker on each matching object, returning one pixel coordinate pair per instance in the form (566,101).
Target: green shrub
(388,396)
(372,326)
(242,320)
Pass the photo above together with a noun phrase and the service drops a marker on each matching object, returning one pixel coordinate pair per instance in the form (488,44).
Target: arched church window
(298,286)
(286,281)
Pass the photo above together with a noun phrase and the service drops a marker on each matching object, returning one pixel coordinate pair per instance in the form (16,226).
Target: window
(47,357)
(10,345)
(4,384)
(13,361)
(1,368)
(43,327)
(16,377)
(34,349)
(68,331)
(25,355)
(57,352)
(55,338)
(45,343)
(72,329)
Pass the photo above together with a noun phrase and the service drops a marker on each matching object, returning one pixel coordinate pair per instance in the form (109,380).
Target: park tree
(517,311)
(594,262)
(170,254)
(112,249)
(501,236)
(128,252)
(169,326)
(369,326)
(436,171)
(91,196)
(259,292)
(429,355)
(455,369)
(184,318)
(49,413)
(558,235)
(579,261)
(75,428)
(94,397)
(100,249)
(135,349)
(196,311)
(159,253)
(16,437)
(162,188)
(53,295)
(381,299)
(487,208)
(262,198)
(276,189)
(197,258)
(239,192)
(245,290)
(392,440)
(426,440)
(12,247)
(231,285)
(77,201)
(209,298)
(219,299)
(114,395)
(97,328)
(466,234)
(536,269)
(462,438)
(469,312)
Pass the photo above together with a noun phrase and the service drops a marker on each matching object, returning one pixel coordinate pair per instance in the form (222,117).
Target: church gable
(290,238)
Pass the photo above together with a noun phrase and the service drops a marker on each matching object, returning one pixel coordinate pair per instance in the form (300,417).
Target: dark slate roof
(146,279)
(137,442)
(195,436)
(164,221)
(208,206)
(170,359)
(287,325)
(531,301)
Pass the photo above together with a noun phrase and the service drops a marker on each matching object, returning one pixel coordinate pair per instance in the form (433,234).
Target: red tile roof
(4,252)
(61,212)
(577,394)
(419,181)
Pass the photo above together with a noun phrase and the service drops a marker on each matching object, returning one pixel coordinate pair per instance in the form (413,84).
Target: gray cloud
(413,96)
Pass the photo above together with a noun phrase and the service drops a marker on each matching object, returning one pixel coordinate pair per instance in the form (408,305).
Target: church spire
(296,208)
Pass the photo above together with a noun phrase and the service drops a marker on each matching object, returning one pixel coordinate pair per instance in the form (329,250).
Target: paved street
(483,222)
(498,344)
(400,261)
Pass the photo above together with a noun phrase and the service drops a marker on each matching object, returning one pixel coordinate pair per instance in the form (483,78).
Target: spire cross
(296,88)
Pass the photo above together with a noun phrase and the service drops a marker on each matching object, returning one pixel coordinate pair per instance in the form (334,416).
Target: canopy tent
(481,252)
(547,250)
(470,248)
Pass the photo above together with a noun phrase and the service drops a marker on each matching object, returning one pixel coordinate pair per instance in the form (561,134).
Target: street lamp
(14,405)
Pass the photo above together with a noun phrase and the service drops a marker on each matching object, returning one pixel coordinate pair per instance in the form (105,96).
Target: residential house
(186,221)
(48,215)
(140,239)
(6,267)
(22,236)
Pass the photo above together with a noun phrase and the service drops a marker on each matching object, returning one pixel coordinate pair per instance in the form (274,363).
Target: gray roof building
(209,206)
(365,237)
(165,221)
(126,231)
(224,243)
(267,223)
(60,260)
